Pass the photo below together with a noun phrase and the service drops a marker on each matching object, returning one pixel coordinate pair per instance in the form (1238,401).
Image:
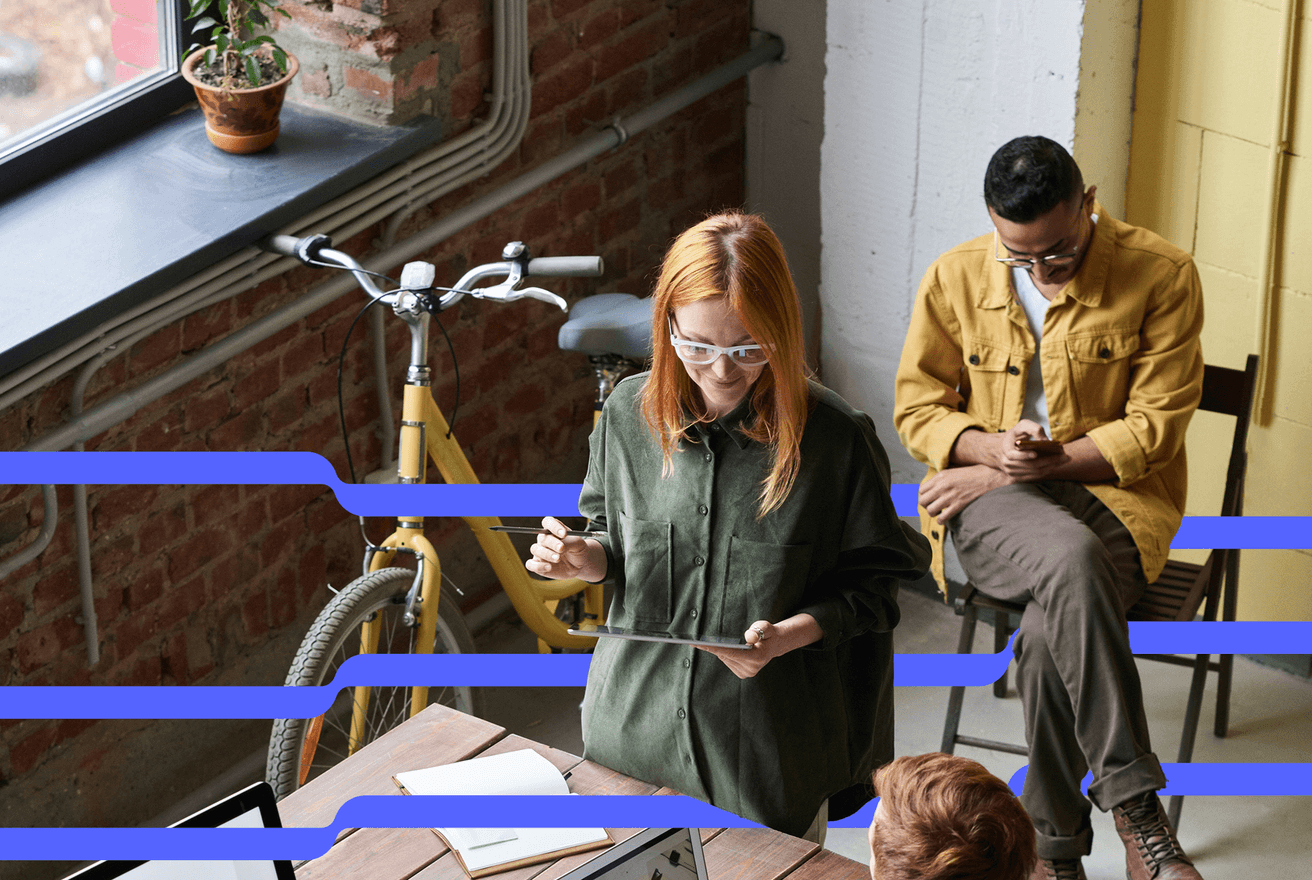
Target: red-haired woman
(740,500)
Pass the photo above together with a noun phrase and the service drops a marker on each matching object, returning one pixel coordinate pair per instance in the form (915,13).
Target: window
(79,75)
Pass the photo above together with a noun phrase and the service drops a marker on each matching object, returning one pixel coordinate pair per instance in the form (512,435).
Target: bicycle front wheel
(378,597)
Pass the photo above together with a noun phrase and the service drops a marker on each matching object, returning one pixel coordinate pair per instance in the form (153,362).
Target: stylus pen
(537,530)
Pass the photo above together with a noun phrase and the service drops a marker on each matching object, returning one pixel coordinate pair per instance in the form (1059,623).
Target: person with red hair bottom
(941,817)
(739,500)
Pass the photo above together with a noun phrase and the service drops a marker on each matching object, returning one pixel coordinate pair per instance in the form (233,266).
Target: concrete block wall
(192,580)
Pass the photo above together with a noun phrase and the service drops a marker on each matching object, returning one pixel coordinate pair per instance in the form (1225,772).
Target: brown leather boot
(1151,850)
(1058,869)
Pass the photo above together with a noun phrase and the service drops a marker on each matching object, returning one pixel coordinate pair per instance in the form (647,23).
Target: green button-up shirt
(687,553)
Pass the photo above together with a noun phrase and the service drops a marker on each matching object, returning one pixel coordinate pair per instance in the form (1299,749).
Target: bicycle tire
(332,639)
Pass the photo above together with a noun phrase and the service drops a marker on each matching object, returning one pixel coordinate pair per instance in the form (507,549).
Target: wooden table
(439,736)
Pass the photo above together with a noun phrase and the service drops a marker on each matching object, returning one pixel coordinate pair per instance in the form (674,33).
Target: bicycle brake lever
(545,296)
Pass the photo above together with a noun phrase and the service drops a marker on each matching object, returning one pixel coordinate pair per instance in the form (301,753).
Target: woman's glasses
(702,353)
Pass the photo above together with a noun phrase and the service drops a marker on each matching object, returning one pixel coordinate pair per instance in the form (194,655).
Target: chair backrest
(1230,392)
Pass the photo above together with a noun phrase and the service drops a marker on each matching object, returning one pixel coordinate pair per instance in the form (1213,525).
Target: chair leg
(1001,632)
(1222,726)
(958,692)
(1193,709)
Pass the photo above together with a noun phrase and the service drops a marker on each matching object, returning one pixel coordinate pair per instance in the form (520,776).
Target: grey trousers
(1056,547)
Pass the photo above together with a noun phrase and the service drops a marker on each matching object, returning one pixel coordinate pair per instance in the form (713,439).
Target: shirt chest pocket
(992,372)
(764,581)
(1100,374)
(647,577)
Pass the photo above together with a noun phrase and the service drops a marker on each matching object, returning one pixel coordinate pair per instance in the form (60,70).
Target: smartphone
(1042,447)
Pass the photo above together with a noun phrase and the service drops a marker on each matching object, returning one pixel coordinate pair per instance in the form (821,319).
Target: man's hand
(947,493)
(998,451)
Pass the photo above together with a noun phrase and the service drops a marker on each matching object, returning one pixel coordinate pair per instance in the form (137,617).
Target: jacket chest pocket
(764,581)
(1100,374)
(647,578)
(993,373)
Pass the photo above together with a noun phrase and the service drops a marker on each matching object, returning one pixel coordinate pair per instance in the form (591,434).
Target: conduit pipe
(1273,227)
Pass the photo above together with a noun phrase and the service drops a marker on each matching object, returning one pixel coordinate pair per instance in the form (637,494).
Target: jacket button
(1014,370)
(682,714)
(974,360)
(687,662)
(934,535)
(703,509)
(709,456)
(1104,353)
(693,613)
(697,560)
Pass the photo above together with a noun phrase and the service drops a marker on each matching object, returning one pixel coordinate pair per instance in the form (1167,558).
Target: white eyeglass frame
(732,352)
(1031,262)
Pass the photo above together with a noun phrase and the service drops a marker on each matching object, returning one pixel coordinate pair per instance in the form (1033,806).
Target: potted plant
(240,78)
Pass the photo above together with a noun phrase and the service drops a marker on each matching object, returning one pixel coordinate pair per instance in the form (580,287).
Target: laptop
(252,807)
(654,854)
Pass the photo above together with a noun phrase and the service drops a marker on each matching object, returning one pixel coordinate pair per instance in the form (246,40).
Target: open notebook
(486,850)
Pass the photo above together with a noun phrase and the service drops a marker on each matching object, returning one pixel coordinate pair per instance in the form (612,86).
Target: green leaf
(280,58)
(262,39)
(221,42)
(204,23)
(197,7)
(259,18)
(211,56)
(252,70)
(223,9)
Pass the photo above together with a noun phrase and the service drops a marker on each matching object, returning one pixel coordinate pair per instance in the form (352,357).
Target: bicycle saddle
(609,323)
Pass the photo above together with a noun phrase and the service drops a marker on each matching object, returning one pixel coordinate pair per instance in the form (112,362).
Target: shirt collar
(732,424)
(1085,288)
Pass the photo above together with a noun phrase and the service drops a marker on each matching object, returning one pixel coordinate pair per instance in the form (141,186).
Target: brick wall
(191,580)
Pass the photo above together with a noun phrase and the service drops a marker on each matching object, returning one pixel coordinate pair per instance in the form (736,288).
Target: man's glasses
(1056,261)
(702,353)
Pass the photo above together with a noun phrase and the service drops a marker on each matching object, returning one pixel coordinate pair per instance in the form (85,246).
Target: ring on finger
(760,632)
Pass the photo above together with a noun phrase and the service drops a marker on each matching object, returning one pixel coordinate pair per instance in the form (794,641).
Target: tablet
(642,635)
(667,853)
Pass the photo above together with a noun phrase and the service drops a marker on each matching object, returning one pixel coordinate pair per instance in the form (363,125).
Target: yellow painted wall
(1205,107)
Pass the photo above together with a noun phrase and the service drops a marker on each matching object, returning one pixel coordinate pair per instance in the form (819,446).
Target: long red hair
(736,256)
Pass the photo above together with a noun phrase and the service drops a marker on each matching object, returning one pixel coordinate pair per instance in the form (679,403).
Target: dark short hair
(943,817)
(1028,177)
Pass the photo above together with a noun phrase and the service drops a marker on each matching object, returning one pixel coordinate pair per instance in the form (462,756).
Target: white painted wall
(918,95)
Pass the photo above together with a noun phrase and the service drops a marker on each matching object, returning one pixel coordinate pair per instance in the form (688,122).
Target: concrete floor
(1271,721)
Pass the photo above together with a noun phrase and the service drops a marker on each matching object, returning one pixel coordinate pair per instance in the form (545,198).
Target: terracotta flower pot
(240,120)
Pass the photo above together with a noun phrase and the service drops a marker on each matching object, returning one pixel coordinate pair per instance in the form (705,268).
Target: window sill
(148,213)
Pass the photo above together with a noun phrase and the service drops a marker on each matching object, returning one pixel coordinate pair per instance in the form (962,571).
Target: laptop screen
(654,854)
(252,807)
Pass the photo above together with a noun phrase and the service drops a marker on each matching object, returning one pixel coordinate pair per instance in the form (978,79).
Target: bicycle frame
(425,434)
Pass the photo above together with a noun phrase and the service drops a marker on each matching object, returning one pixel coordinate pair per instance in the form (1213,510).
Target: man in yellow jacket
(1063,325)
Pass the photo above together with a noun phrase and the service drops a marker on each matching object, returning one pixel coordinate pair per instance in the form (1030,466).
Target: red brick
(422,76)
(146,671)
(475,48)
(621,178)
(158,348)
(242,431)
(466,94)
(199,548)
(562,8)
(39,647)
(367,84)
(205,409)
(255,615)
(210,323)
(162,528)
(27,753)
(181,601)
(696,16)
(11,613)
(290,501)
(277,545)
(634,10)
(565,82)
(315,81)
(256,387)
(621,220)
(550,49)
(635,45)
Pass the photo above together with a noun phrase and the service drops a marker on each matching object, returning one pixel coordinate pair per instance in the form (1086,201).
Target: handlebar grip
(304,249)
(280,244)
(573,267)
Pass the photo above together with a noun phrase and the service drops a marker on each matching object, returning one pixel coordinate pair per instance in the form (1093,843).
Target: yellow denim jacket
(1121,363)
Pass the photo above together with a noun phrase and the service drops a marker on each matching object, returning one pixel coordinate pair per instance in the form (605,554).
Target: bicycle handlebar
(317,250)
(566,267)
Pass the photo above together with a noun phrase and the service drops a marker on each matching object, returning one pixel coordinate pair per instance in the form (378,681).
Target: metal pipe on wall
(1273,227)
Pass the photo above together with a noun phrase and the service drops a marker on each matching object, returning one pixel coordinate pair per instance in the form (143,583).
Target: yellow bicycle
(391,609)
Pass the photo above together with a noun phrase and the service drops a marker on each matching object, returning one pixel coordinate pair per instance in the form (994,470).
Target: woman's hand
(768,641)
(558,555)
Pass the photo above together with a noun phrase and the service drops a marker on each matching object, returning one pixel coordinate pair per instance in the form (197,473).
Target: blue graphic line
(612,811)
(487,499)
(570,670)
(1217,780)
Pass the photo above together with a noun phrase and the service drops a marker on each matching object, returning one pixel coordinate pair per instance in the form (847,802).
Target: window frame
(93,126)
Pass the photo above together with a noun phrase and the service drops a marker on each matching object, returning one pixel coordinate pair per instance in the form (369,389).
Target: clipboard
(639,635)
